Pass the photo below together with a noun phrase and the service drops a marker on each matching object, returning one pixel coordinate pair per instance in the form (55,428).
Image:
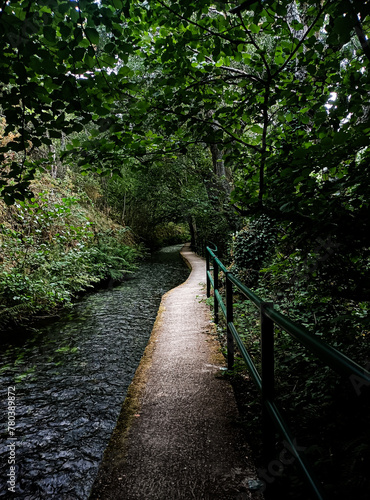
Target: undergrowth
(327,414)
(53,247)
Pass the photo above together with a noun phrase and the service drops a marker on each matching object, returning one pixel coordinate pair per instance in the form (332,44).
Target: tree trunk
(193,233)
(217,160)
(219,167)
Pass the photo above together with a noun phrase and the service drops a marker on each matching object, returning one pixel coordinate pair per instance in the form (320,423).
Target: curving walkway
(177,436)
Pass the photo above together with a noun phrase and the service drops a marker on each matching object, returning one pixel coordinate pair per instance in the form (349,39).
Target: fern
(38,276)
(14,313)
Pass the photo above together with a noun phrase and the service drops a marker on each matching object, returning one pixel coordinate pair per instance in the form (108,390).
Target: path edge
(133,400)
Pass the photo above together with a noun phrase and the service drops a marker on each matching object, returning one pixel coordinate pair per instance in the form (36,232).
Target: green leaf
(64,7)
(85,43)
(296,25)
(49,33)
(109,61)
(341,137)
(304,119)
(254,28)
(279,59)
(89,61)
(92,35)
(65,30)
(118,4)
(257,129)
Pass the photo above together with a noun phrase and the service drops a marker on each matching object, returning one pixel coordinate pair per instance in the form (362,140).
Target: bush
(50,254)
(252,247)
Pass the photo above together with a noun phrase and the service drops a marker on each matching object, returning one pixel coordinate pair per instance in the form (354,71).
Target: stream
(63,385)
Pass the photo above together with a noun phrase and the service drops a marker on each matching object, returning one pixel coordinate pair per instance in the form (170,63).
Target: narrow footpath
(177,436)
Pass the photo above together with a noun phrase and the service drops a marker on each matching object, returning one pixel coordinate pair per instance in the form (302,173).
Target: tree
(277,90)
(281,88)
(50,82)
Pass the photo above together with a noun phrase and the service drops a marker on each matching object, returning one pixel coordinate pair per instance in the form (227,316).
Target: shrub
(252,247)
(50,254)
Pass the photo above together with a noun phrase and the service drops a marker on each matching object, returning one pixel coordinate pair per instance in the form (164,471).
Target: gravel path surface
(177,436)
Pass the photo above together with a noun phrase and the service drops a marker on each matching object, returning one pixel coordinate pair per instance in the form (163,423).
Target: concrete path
(177,436)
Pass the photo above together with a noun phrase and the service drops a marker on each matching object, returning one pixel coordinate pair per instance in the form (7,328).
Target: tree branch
(361,35)
(2,7)
(299,44)
(243,6)
(213,124)
(255,45)
(213,33)
(264,141)
(231,69)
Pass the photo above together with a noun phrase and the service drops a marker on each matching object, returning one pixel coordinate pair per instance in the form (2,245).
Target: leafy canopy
(280,87)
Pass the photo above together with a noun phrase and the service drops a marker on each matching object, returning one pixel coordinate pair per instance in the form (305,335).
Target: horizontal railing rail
(265,380)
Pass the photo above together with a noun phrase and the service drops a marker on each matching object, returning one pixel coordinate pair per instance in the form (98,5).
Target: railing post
(267,371)
(215,282)
(229,319)
(207,271)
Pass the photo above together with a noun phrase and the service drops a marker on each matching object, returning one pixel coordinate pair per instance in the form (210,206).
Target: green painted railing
(265,380)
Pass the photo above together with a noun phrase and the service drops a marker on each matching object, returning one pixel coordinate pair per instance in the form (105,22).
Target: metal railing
(265,381)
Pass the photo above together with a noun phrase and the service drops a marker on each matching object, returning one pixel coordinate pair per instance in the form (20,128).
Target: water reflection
(70,380)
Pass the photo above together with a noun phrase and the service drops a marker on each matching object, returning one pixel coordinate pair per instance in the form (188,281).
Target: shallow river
(70,379)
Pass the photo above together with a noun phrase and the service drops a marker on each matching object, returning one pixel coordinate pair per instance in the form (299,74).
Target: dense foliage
(54,246)
(277,90)
(327,413)
(249,118)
